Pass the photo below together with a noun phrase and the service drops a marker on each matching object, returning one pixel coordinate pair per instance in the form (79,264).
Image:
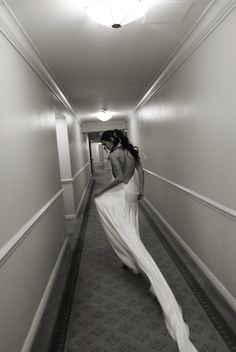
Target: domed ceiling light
(114,13)
(104,115)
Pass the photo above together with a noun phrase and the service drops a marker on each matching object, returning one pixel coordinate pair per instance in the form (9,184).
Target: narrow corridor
(113,310)
(167,81)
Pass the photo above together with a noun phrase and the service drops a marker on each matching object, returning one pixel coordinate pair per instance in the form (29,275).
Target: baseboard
(206,271)
(43,303)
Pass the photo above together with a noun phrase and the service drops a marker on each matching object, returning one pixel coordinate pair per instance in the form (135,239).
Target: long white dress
(118,212)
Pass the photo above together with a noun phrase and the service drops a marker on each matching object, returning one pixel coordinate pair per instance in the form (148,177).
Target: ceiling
(98,67)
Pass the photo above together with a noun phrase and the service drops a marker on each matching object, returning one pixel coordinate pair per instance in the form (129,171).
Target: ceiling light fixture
(104,115)
(114,13)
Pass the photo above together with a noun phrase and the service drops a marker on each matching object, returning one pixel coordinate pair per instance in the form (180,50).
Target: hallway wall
(185,129)
(80,161)
(33,236)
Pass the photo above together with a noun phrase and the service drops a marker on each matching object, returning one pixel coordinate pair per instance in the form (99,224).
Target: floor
(105,308)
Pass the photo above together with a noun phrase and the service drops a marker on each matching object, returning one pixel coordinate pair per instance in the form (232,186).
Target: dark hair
(117,136)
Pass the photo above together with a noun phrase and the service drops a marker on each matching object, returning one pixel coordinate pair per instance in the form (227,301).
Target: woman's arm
(116,168)
(141,178)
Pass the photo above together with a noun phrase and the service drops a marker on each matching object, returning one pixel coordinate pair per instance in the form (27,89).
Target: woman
(117,206)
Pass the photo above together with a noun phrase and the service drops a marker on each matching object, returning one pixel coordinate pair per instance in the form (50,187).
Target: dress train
(118,212)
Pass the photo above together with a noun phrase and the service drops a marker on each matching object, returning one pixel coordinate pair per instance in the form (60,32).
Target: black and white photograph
(118,176)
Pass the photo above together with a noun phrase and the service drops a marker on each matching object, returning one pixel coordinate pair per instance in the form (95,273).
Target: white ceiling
(98,67)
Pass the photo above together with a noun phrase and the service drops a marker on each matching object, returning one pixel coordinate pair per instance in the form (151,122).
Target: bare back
(127,163)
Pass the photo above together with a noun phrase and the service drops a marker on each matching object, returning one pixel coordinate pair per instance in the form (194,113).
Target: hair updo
(117,136)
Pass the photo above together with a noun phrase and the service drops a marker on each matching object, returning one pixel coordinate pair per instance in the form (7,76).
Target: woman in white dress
(117,205)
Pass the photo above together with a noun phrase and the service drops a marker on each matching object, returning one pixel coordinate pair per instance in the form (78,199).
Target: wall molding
(215,13)
(8,248)
(71,180)
(74,216)
(43,303)
(220,208)
(213,279)
(13,31)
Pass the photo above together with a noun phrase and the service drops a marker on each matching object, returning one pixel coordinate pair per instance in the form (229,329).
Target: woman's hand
(140,196)
(97,193)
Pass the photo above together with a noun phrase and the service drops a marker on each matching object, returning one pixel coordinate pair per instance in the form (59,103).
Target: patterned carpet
(112,309)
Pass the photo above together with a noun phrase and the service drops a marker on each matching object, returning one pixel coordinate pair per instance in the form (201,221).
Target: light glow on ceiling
(114,13)
(104,115)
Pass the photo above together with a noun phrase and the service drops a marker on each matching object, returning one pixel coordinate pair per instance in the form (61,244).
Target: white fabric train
(118,212)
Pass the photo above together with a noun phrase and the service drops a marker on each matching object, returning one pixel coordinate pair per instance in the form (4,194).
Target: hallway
(112,310)
(164,74)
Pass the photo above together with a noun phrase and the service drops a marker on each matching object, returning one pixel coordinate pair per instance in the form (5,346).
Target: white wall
(65,164)
(32,236)
(80,161)
(63,147)
(95,152)
(74,163)
(186,128)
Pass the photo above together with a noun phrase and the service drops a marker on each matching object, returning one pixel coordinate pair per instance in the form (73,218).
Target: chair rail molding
(209,274)
(13,31)
(15,241)
(220,208)
(71,180)
(215,13)
(75,215)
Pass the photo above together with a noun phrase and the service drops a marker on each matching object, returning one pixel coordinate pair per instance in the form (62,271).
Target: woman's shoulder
(114,154)
(118,154)
(116,151)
